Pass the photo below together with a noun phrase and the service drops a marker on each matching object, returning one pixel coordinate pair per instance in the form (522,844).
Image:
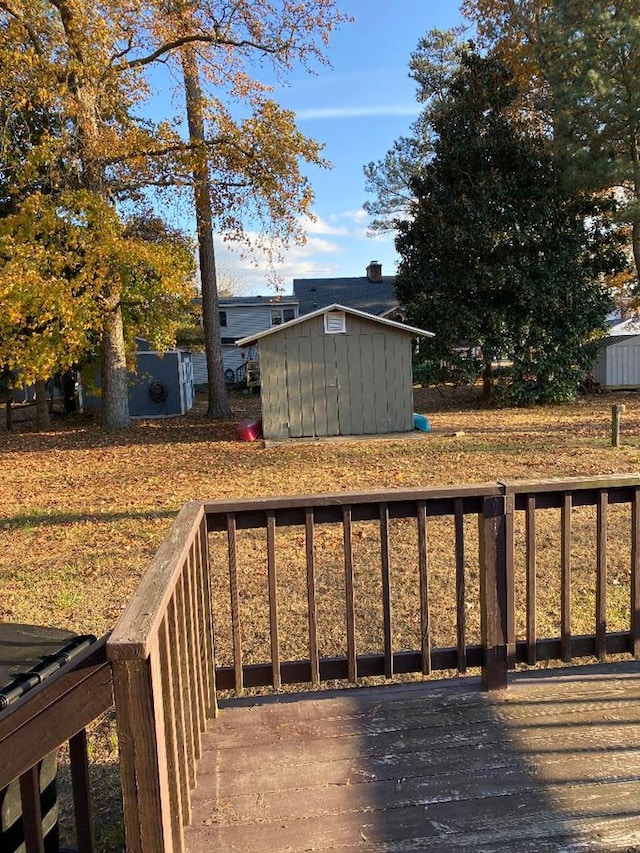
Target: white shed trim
(243,342)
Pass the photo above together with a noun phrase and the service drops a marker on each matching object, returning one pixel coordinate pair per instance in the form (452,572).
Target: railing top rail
(570,484)
(389,496)
(135,630)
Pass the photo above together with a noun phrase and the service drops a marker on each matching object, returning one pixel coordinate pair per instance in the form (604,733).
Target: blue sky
(357,108)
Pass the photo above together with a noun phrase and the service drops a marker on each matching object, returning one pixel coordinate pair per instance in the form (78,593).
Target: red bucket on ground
(249,429)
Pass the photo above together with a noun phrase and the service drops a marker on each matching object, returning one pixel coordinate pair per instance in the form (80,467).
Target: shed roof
(274,330)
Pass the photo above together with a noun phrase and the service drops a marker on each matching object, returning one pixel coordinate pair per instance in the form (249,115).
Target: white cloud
(330,252)
(321,226)
(320,113)
(358,216)
(317,257)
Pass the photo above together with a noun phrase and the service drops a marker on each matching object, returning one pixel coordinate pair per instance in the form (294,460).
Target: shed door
(314,386)
(330,385)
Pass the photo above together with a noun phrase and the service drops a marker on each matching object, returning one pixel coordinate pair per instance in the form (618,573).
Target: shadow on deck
(552,764)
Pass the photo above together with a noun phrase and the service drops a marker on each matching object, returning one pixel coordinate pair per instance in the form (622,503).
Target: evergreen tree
(578,66)
(499,260)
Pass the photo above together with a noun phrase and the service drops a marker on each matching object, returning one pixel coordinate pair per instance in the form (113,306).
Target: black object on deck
(30,654)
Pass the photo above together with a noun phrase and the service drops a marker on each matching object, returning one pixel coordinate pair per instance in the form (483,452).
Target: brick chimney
(374,271)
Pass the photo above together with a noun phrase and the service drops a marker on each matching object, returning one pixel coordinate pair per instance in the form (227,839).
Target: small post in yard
(493,592)
(616,411)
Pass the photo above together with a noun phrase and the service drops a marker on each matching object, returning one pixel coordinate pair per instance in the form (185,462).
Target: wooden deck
(551,764)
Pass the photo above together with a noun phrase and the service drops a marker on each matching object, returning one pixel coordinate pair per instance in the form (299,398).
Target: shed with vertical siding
(618,363)
(336,371)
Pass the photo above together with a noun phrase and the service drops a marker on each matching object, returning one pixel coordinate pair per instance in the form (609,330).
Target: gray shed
(336,371)
(618,363)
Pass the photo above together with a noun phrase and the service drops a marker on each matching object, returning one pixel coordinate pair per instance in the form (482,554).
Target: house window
(282,315)
(223,318)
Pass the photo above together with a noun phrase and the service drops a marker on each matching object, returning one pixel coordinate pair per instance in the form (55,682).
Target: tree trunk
(218,399)
(488,385)
(115,391)
(635,243)
(43,420)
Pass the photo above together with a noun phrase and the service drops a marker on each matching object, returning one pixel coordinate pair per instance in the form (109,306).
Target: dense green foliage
(577,65)
(499,260)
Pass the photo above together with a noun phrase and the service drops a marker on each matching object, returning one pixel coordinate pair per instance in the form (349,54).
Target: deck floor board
(552,764)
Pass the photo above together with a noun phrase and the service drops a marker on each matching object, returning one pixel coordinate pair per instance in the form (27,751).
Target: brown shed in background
(336,371)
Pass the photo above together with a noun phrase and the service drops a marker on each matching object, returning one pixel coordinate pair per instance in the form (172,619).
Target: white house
(241,316)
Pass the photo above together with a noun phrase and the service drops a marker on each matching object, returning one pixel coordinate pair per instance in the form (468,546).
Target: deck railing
(305,517)
(305,590)
(602,495)
(56,712)
(164,683)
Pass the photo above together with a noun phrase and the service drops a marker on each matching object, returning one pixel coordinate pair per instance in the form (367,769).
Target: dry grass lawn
(83,512)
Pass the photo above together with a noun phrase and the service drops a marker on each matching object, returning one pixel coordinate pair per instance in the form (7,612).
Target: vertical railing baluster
(386,590)
(635,572)
(81,787)
(530,524)
(565,578)
(273,598)
(510,570)
(191,661)
(461,595)
(185,757)
(187,688)
(601,575)
(166,784)
(423,567)
(174,768)
(235,604)
(352,668)
(31,812)
(192,612)
(207,620)
(314,656)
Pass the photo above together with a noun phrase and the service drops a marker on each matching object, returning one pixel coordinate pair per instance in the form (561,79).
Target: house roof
(274,301)
(274,330)
(620,329)
(373,297)
(624,328)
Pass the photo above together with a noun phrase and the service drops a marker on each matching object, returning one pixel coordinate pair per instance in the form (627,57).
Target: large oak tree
(86,64)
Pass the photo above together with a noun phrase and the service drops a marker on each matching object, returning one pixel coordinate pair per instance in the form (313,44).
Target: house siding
(242,320)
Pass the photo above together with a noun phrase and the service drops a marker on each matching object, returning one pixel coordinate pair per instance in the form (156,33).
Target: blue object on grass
(421,422)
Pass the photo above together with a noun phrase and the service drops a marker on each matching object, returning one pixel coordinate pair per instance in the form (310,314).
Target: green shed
(335,371)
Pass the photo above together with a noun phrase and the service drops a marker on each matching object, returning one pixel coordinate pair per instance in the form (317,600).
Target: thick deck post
(145,782)
(493,592)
